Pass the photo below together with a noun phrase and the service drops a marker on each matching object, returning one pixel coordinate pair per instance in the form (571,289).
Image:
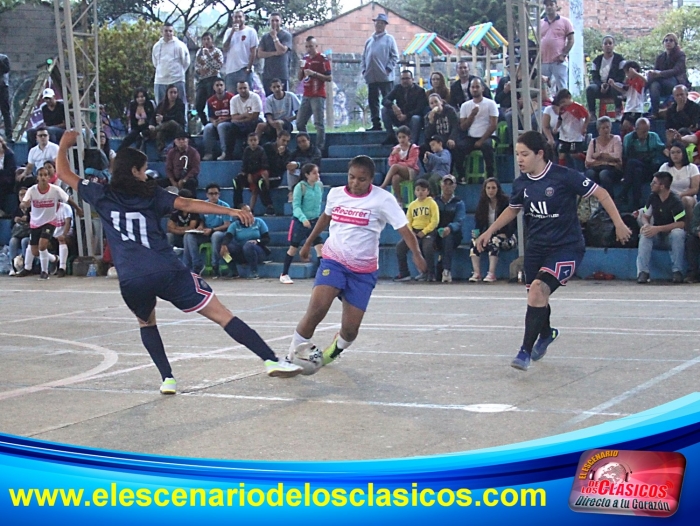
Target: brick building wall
(631,18)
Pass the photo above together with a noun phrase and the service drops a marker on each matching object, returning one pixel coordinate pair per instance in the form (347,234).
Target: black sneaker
(23,273)
(677,277)
(44,276)
(690,278)
(643,277)
(376,127)
(401,278)
(60,273)
(270,211)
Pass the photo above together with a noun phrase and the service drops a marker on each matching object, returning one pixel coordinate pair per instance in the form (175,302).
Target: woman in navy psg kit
(547,193)
(131,207)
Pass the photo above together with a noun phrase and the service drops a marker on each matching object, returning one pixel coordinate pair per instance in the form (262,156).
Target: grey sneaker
(643,277)
(677,277)
(168,387)
(401,278)
(446,276)
(281,368)
(421,277)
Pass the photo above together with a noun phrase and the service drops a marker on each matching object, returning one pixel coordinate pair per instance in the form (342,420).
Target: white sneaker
(281,369)
(475,277)
(208,157)
(284,278)
(12,272)
(221,157)
(168,387)
(446,276)
(490,278)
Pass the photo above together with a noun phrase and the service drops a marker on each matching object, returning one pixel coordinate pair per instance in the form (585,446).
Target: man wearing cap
(452,213)
(54,117)
(378,62)
(556,40)
(171,58)
(182,165)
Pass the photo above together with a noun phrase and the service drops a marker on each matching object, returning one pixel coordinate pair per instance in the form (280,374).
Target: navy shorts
(298,233)
(560,262)
(184,289)
(355,288)
(43,232)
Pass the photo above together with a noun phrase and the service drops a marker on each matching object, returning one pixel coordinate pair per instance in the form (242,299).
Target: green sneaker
(281,368)
(168,387)
(331,352)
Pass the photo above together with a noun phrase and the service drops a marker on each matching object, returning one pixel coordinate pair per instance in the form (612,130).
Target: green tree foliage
(451,18)
(125,63)
(684,22)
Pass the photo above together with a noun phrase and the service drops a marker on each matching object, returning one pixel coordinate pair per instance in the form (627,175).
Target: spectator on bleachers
(549,122)
(207,63)
(438,85)
(379,58)
(423,217)
(275,48)
(219,125)
(8,167)
(53,114)
(171,58)
(277,155)
(692,247)
(182,165)
(240,48)
(107,149)
(502,97)
(42,152)
(633,89)
(478,119)
(180,222)
(5,95)
(314,72)
(246,107)
(452,214)
(246,245)
(459,89)
(304,154)
(642,154)
(686,177)
(306,209)
(142,119)
(169,118)
(669,71)
(51,168)
(492,201)
(254,165)
(683,113)
(212,229)
(604,156)
(572,123)
(281,109)
(667,231)
(437,163)
(405,105)
(442,120)
(19,240)
(403,163)
(607,66)
(556,40)
(63,235)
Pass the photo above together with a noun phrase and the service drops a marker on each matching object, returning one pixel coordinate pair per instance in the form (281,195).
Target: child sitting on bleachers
(571,124)
(254,164)
(403,162)
(633,88)
(437,164)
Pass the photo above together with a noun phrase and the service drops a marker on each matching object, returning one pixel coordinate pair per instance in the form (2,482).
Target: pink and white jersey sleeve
(44,205)
(356,224)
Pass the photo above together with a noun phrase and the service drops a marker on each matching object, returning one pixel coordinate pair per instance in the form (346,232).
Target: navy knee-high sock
(287,263)
(154,345)
(243,334)
(535,318)
(547,327)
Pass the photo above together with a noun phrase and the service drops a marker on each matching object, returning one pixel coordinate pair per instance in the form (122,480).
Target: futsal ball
(308,357)
(112,272)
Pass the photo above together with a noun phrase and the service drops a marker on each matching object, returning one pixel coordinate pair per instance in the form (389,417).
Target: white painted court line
(632,392)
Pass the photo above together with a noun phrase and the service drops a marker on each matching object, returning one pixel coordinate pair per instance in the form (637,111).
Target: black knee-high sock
(547,327)
(287,263)
(535,317)
(154,345)
(239,331)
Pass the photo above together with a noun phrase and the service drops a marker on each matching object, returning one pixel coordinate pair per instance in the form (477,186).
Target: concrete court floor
(429,373)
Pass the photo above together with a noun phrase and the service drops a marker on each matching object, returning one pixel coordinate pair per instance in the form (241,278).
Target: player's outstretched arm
(412,242)
(622,233)
(506,217)
(63,169)
(205,207)
(322,224)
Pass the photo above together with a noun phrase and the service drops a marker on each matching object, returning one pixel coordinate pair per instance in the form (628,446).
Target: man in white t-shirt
(357,214)
(280,111)
(240,47)
(42,152)
(246,108)
(478,118)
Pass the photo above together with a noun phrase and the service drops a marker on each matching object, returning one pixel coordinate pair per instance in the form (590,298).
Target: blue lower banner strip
(49,483)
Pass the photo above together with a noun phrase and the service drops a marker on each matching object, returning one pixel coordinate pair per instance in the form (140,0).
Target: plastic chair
(476,169)
(503,141)
(206,248)
(407,190)
(603,109)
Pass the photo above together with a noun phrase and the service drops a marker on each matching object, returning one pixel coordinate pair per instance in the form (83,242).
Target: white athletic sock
(28,258)
(297,339)
(343,344)
(62,256)
(44,259)
(52,258)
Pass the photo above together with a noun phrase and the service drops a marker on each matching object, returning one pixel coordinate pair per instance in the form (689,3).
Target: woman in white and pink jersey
(44,199)
(357,214)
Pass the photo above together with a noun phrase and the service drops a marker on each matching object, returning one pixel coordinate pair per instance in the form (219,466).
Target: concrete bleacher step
(273,270)
(372,150)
